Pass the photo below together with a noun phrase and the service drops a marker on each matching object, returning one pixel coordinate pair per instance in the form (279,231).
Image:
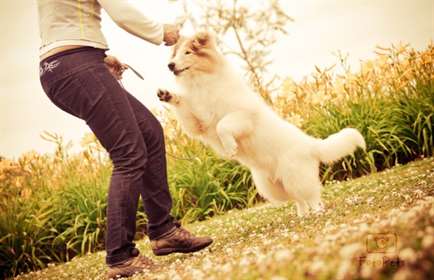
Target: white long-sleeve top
(78,22)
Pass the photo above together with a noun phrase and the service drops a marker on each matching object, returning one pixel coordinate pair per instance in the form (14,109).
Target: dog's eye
(188,52)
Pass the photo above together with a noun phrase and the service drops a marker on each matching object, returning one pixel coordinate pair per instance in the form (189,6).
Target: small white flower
(317,266)
(349,251)
(197,274)
(244,261)
(206,264)
(408,255)
(344,270)
(283,255)
(295,237)
(226,268)
(278,278)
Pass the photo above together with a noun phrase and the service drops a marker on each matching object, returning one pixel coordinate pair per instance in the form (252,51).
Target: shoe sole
(167,251)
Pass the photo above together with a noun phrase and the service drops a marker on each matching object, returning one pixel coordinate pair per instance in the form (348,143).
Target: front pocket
(78,93)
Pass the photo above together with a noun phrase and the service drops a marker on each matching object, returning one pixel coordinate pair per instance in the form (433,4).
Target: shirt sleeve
(133,21)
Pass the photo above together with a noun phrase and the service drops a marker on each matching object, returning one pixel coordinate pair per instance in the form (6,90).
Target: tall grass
(390,100)
(52,206)
(397,129)
(202,184)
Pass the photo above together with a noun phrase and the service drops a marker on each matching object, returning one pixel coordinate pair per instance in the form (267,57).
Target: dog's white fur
(216,106)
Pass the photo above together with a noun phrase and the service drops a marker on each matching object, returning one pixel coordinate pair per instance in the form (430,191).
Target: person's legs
(79,83)
(113,122)
(114,125)
(155,193)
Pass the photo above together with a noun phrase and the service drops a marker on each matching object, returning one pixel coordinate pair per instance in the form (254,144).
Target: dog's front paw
(164,95)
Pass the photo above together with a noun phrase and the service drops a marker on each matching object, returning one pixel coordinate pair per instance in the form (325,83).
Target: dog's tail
(340,144)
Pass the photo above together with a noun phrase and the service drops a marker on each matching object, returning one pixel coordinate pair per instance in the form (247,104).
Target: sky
(321,28)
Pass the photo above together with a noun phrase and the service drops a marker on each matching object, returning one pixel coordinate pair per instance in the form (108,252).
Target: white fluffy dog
(215,106)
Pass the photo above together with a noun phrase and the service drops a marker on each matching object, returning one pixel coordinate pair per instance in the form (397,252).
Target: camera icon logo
(381,243)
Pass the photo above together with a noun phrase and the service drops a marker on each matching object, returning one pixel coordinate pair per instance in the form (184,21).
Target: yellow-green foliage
(390,100)
(52,207)
(394,70)
(202,184)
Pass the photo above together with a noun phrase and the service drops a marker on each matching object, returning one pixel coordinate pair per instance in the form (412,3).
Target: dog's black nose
(171,66)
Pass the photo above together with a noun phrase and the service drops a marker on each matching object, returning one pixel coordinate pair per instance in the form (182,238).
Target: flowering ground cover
(379,226)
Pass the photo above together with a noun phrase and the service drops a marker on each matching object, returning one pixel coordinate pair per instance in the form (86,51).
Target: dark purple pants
(78,82)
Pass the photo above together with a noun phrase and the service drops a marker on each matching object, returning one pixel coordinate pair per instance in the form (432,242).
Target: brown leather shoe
(130,267)
(179,240)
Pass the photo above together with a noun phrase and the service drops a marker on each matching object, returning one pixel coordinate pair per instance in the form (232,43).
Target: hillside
(379,226)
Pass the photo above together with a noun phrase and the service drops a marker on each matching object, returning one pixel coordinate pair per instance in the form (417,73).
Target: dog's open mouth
(179,71)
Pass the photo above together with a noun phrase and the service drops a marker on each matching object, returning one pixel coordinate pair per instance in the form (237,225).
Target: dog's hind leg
(302,208)
(273,192)
(230,127)
(302,182)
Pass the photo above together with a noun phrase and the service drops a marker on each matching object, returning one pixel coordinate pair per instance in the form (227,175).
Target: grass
(203,185)
(48,214)
(271,242)
(390,101)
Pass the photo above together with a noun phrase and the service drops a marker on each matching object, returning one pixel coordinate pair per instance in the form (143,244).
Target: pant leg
(115,126)
(155,192)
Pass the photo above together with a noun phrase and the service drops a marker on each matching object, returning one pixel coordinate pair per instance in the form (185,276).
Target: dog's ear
(203,39)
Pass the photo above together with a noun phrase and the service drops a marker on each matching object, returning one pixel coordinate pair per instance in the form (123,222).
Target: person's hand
(171,34)
(115,67)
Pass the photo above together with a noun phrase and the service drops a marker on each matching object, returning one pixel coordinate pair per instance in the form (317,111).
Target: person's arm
(132,20)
